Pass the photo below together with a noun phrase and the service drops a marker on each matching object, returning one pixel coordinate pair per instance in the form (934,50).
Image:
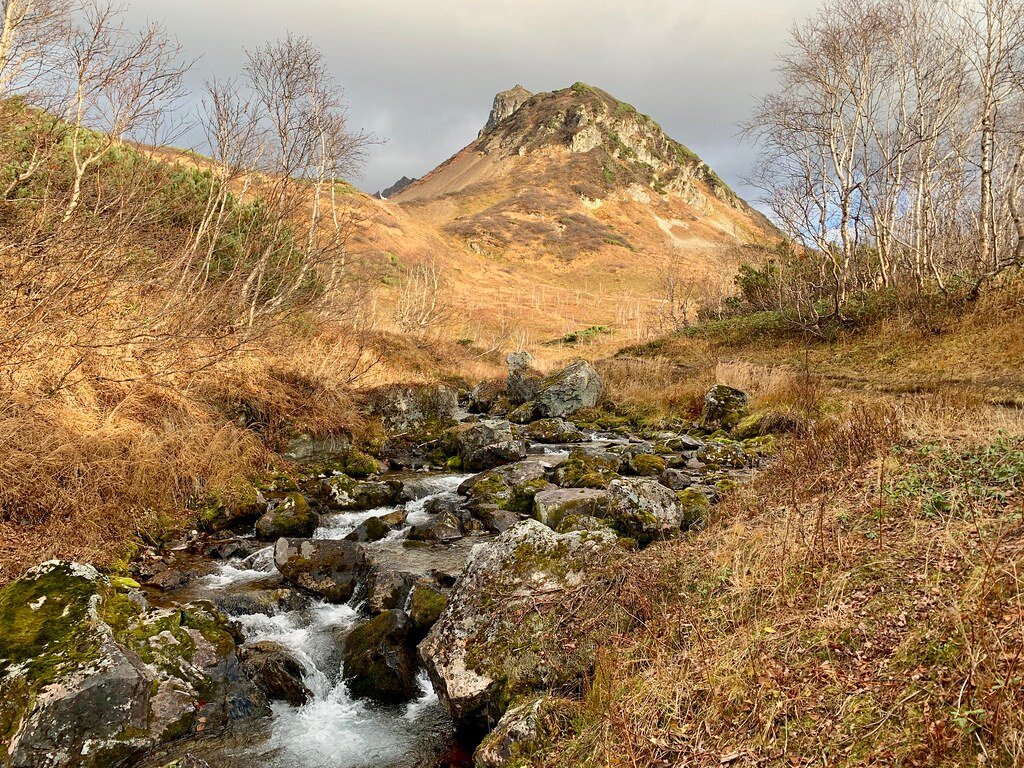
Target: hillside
(569,211)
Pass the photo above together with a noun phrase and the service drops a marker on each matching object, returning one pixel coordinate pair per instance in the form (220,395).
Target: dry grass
(859,604)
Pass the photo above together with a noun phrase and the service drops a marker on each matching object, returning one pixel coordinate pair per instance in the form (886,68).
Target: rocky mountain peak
(505,103)
(395,188)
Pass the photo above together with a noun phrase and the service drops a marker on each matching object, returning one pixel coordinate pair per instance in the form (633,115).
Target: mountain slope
(574,193)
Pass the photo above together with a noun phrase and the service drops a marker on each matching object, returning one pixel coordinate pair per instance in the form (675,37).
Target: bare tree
(30,35)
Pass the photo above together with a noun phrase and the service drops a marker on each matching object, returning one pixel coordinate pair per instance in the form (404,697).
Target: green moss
(695,506)
(584,470)
(647,465)
(426,605)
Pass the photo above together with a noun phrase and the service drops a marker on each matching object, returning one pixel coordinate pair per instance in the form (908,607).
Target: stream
(334,730)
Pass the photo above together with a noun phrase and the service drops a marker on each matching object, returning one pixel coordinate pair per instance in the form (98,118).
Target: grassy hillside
(860,602)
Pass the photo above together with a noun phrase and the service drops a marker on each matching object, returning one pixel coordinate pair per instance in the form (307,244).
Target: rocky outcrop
(504,106)
(520,732)
(486,443)
(330,569)
(485,652)
(395,188)
(724,407)
(523,381)
(275,671)
(290,516)
(378,662)
(91,677)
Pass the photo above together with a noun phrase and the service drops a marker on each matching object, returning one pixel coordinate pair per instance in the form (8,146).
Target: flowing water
(333,730)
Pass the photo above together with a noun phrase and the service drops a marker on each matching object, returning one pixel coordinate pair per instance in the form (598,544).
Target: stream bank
(357,624)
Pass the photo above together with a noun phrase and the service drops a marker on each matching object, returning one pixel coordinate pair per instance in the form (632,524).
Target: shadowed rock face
(505,104)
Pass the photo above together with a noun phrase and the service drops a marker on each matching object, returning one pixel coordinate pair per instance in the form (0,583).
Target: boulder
(552,506)
(442,527)
(486,443)
(345,494)
(334,453)
(275,671)
(425,606)
(484,395)
(587,470)
(554,432)
(520,732)
(417,411)
(269,602)
(328,568)
(511,487)
(290,516)
(523,381)
(722,455)
(678,479)
(371,529)
(724,407)
(494,518)
(644,509)
(643,465)
(379,663)
(387,589)
(484,652)
(90,677)
(695,507)
(771,422)
(575,387)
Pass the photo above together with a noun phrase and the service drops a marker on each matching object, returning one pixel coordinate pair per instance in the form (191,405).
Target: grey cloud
(421,75)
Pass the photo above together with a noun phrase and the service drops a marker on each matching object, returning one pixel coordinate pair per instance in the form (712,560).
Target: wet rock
(90,678)
(425,606)
(395,519)
(441,527)
(554,432)
(494,518)
(587,470)
(511,487)
(486,443)
(345,494)
(269,602)
(481,653)
(575,387)
(723,408)
(552,506)
(275,671)
(171,578)
(643,508)
(523,414)
(290,516)
(331,569)
(379,663)
(387,589)
(371,529)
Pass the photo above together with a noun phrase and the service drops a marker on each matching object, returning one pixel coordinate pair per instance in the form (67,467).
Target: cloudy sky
(421,74)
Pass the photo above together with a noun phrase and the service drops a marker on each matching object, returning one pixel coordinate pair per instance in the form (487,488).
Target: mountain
(395,188)
(570,210)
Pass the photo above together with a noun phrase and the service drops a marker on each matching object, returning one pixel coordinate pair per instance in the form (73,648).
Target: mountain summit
(576,172)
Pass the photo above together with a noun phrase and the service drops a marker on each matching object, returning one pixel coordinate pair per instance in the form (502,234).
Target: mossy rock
(586,470)
(291,516)
(645,465)
(695,507)
(425,606)
(352,462)
(724,455)
(724,407)
(379,661)
(344,493)
(771,422)
(511,488)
